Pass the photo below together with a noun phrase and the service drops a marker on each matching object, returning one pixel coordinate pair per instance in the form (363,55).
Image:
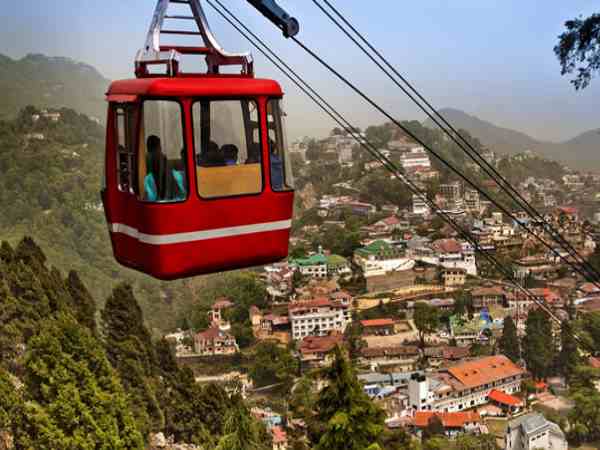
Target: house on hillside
(465,385)
(215,341)
(454,423)
(534,431)
(315,351)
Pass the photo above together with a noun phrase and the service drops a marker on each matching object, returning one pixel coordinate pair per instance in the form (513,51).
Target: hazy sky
(490,58)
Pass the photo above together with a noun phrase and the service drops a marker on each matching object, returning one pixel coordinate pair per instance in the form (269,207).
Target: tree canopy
(352,421)
(578,49)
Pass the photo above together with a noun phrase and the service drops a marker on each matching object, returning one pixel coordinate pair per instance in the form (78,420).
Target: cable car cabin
(198,178)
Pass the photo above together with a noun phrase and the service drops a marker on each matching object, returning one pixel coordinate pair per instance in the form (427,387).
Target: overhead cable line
(371,149)
(454,135)
(440,158)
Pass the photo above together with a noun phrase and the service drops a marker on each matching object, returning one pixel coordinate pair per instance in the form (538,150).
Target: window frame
(259,105)
(285,151)
(130,114)
(140,122)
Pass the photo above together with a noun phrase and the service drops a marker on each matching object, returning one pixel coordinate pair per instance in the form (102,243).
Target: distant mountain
(50,82)
(581,152)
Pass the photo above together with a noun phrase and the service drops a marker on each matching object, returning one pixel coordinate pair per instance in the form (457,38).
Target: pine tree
(8,401)
(351,420)
(243,432)
(131,352)
(569,357)
(538,344)
(83,304)
(509,341)
(73,398)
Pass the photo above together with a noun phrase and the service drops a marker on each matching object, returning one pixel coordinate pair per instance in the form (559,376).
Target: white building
(417,157)
(472,203)
(448,253)
(465,385)
(419,206)
(318,317)
(534,431)
(380,257)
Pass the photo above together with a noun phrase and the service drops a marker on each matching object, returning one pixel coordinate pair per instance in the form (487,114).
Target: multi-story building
(465,385)
(316,350)
(452,195)
(534,431)
(314,266)
(417,157)
(214,341)
(472,203)
(419,205)
(318,317)
(380,257)
(448,253)
(454,277)
(485,297)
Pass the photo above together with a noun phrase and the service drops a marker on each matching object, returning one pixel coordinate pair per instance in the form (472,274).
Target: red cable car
(197,176)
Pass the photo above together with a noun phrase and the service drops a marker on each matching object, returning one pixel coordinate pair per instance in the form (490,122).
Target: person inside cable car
(180,179)
(253,154)
(230,153)
(153,169)
(276,166)
(212,157)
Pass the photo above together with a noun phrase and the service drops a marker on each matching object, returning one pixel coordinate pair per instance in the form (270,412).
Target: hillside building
(318,317)
(534,431)
(465,385)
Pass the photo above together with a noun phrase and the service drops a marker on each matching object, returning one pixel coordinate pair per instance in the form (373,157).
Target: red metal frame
(184,259)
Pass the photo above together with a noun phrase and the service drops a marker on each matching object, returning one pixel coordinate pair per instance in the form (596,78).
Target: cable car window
(125,150)
(281,167)
(161,156)
(227,148)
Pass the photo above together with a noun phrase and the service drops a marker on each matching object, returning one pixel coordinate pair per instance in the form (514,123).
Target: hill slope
(580,152)
(49,189)
(50,82)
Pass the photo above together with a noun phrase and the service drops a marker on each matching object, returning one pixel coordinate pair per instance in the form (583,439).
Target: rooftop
(320,344)
(529,423)
(504,398)
(449,419)
(485,370)
(377,322)
(447,246)
(314,260)
(213,333)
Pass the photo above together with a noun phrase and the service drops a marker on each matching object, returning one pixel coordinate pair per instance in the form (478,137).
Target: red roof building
(504,398)
(454,420)
(314,349)
(485,371)
(214,341)
(447,246)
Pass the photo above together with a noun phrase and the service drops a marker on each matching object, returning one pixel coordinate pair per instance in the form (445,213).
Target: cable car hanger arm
(276,14)
(154,53)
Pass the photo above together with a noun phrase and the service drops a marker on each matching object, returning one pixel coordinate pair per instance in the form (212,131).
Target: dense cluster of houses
(405,258)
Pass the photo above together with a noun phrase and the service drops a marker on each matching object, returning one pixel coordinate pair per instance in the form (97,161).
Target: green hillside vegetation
(50,82)
(50,190)
(115,383)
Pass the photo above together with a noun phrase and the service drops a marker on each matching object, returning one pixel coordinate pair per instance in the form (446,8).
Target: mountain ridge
(581,151)
(51,82)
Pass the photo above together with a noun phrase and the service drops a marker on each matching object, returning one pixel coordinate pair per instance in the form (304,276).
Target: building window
(161,156)
(227,146)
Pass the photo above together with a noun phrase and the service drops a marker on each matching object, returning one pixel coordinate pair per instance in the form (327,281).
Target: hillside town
(436,334)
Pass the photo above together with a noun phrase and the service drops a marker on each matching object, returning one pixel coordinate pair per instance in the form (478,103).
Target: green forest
(50,190)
